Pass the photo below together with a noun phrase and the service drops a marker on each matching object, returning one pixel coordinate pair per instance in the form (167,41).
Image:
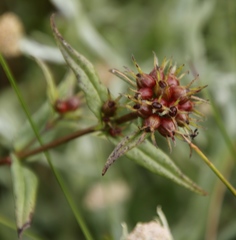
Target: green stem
(70,201)
(48,126)
(212,166)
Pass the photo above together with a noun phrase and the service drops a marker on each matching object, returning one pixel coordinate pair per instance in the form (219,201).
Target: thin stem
(211,165)
(48,126)
(216,201)
(57,142)
(24,154)
(73,205)
(44,147)
(126,118)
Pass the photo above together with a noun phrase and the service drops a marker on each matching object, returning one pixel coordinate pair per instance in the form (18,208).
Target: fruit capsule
(144,110)
(145,81)
(152,123)
(145,93)
(167,128)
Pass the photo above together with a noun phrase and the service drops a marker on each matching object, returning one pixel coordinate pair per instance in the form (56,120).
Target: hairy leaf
(155,160)
(125,145)
(88,80)
(25,185)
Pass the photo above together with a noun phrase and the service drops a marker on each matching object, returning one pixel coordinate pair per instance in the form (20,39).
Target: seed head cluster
(163,104)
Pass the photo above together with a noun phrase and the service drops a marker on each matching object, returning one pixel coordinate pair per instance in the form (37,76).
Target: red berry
(157,72)
(167,127)
(145,93)
(60,106)
(143,110)
(73,103)
(145,81)
(187,106)
(172,80)
(152,123)
(182,119)
(179,93)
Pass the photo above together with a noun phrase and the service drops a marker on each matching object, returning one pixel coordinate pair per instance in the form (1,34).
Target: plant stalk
(56,142)
(212,166)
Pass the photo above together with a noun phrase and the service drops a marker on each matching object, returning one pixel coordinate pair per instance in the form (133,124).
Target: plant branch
(79,133)
(126,118)
(57,142)
(27,153)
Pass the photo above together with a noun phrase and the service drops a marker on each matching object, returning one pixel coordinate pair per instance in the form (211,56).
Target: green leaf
(25,185)
(88,80)
(125,145)
(51,87)
(156,161)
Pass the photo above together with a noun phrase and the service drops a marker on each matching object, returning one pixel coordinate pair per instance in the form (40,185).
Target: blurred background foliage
(201,34)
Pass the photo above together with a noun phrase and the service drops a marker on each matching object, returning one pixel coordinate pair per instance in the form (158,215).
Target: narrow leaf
(51,86)
(125,145)
(159,163)
(88,80)
(24,188)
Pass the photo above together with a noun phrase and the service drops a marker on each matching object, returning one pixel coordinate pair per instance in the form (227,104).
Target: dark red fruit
(68,105)
(157,72)
(60,106)
(145,81)
(179,93)
(73,103)
(182,119)
(172,80)
(187,106)
(145,93)
(144,110)
(167,128)
(152,123)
